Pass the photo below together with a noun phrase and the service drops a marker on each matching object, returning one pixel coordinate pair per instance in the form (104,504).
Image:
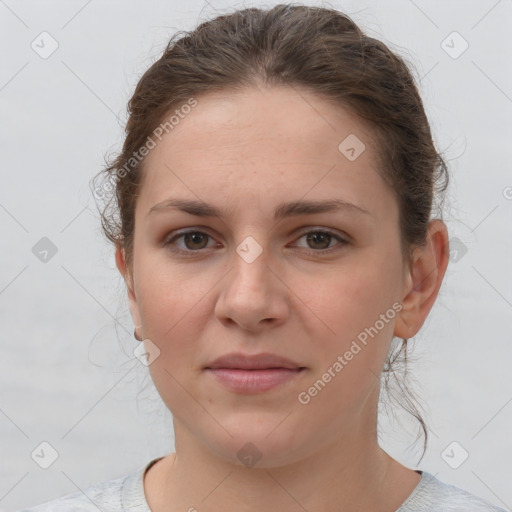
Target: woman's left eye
(194,241)
(320,237)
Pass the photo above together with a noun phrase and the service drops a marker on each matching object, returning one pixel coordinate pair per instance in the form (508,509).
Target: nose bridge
(251,261)
(252,293)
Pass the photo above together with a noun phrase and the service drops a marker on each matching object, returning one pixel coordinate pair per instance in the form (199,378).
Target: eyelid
(333,232)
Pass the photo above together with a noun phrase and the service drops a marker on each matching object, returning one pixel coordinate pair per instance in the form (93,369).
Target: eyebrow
(293,208)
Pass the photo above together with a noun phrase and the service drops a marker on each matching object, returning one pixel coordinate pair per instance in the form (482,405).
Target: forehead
(264,142)
(293,116)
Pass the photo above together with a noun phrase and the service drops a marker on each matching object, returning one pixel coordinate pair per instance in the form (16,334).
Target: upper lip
(253,362)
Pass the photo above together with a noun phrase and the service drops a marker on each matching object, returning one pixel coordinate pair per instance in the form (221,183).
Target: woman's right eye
(193,241)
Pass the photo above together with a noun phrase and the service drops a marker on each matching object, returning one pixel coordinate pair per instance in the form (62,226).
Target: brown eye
(192,241)
(195,240)
(319,241)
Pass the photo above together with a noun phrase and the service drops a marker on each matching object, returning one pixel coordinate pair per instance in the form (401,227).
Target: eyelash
(170,242)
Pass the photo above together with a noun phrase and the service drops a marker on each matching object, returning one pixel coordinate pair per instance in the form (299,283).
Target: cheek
(350,303)
(355,294)
(171,305)
(169,290)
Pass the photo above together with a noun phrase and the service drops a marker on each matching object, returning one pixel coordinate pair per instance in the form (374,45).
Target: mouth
(243,373)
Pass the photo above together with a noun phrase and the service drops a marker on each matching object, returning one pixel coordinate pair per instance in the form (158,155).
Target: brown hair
(316,48)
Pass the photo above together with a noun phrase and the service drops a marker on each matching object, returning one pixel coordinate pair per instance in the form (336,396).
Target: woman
(274,230)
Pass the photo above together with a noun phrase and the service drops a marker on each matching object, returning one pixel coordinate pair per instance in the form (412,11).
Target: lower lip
(253,381)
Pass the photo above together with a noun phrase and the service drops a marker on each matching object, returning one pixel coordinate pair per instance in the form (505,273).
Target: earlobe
(423,280)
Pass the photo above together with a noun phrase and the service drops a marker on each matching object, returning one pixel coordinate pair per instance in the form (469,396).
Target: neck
(353,473)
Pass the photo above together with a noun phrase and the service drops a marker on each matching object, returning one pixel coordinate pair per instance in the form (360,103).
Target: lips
(264,361)
(244,373)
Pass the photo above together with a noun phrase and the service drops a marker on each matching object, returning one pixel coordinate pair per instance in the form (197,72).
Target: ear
(423,280)
(125,272)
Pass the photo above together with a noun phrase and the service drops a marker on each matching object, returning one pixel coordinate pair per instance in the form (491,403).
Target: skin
(246,153)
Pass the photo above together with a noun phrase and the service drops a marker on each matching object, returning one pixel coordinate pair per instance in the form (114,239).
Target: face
(321,287)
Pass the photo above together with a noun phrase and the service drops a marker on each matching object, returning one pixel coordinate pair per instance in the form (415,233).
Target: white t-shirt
(127,494)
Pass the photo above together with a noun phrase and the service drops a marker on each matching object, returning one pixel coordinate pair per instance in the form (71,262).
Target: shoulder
(105,496)
(125,493)
(101,496)
(433,495)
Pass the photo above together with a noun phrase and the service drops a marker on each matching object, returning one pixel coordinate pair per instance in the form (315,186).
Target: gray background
(67,372)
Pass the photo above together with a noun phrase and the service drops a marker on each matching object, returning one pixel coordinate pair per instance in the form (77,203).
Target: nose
(253,295)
